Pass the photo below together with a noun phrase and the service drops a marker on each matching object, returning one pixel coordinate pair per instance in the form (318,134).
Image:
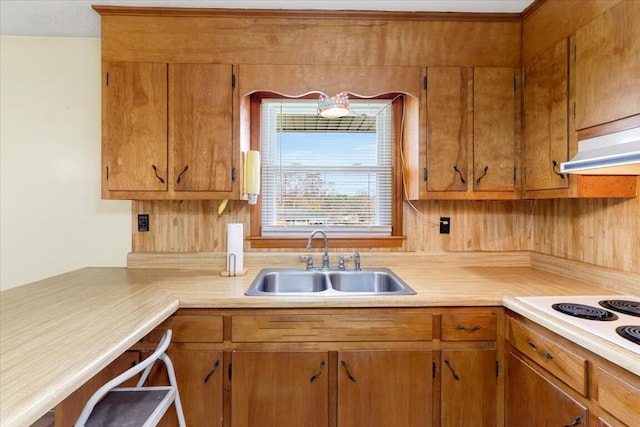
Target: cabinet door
(271,388)
(384,388)
(68,411)
(534,401)
(607,63)
(200,123)
(469,386)
(494,129)
(134,127)
(449,122)
(199,377)
(546,141)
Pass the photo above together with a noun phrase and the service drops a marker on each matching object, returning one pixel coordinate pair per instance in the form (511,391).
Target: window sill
(334,242)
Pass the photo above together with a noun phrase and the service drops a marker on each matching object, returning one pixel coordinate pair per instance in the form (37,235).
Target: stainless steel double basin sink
(331,282)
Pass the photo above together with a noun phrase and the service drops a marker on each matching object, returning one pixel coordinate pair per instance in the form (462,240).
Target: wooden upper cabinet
(559,89)
(200,123)
(134,123)
(449,131)
(494,129)
(607,62)
(470,146)
(546,97)
(168,131)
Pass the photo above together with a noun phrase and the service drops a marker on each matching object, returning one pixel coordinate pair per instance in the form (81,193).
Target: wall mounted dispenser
(252,176)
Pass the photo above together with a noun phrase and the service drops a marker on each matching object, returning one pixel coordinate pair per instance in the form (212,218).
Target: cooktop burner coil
(583,311)
(630,332)
(629,307)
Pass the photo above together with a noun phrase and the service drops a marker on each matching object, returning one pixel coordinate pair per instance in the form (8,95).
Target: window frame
(395,240)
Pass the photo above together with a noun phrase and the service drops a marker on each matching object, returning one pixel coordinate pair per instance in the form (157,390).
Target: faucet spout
(325,258)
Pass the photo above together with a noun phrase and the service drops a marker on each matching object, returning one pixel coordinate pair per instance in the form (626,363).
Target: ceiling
(75,18)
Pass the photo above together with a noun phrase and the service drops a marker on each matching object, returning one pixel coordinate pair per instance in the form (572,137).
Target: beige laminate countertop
(57,333)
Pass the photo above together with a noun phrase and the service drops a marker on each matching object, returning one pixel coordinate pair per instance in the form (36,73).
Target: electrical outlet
(143,222)
(445,224)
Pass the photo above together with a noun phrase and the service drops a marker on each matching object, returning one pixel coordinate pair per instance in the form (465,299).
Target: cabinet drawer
(190,329)
(552,356)
(469,327)
(301,327)
(619,397)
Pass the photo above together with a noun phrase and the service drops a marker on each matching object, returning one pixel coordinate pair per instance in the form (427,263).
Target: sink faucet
(356,257)
(325,258)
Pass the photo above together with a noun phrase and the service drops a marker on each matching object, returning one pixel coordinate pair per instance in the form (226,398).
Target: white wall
(52,219)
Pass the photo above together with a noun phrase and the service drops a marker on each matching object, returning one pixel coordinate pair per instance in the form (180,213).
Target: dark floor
(45,421)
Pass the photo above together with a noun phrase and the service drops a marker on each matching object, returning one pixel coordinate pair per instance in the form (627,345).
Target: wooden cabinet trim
(190,329)
(337,327)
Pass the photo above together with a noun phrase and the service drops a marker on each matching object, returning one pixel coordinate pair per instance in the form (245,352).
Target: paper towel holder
(231,258)
(234,261)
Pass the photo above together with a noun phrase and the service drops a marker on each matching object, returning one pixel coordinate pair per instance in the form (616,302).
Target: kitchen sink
(289,281)
(375,281)
(329,282)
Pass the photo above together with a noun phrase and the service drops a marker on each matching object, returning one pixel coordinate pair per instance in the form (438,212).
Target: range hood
(613,154)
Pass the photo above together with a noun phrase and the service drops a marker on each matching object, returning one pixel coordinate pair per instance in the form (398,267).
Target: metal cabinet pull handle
(455,168)
(470,330)
(317,374)
(215,367)
(554,166)
(484,172)
(455,376)
(346,369)
(186,168)
(541,353)
(575,422)
(155,170)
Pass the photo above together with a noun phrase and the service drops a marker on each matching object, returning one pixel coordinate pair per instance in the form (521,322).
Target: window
(334,174)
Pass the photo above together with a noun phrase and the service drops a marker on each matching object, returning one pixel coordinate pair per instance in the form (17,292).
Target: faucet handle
(356,258)
(342,259)
(309,260)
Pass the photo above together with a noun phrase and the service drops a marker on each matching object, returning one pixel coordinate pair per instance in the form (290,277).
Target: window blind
(334,174)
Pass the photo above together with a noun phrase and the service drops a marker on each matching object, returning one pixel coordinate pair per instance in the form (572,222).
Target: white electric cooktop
(607,316)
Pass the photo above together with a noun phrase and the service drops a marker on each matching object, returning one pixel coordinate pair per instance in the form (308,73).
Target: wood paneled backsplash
(605,232)
(195,226)
(475,225)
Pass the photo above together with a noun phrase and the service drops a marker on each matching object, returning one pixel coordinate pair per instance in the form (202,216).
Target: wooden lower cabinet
(68,411)
(469,382)
(325,367)
(534,401)
(279,388)
(384,388)
(552,381)
(294,388)
(200,384)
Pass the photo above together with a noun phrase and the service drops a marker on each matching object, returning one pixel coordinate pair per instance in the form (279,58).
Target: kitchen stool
(137,406)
